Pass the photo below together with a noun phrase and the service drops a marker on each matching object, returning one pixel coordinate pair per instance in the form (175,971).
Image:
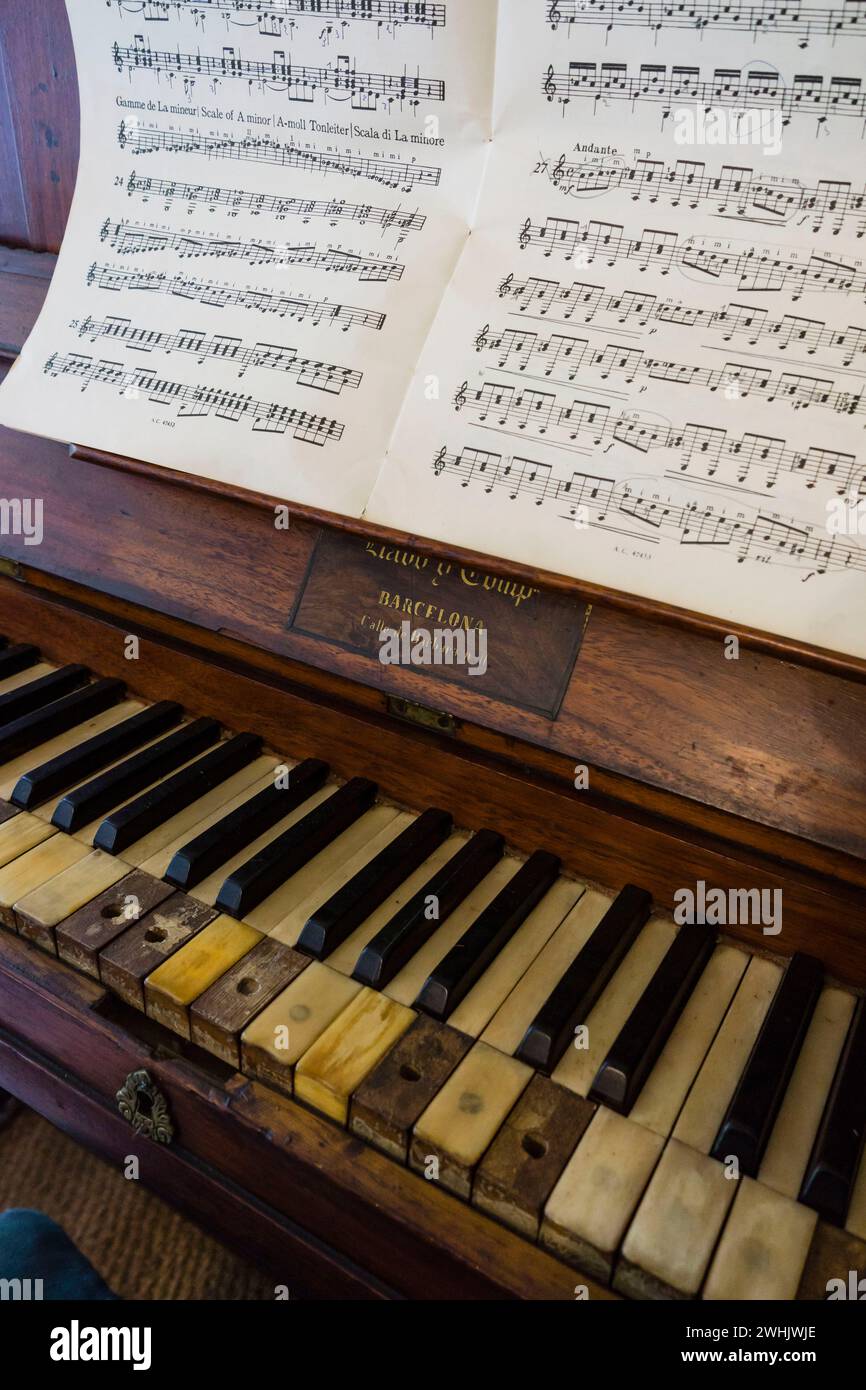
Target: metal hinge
(435,719)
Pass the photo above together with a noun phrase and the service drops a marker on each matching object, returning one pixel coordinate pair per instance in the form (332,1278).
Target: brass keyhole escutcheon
(145,1107)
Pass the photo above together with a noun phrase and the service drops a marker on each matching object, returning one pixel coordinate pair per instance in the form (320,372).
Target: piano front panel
(670,1114)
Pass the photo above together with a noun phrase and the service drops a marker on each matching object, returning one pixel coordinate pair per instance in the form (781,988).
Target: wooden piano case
(700,767)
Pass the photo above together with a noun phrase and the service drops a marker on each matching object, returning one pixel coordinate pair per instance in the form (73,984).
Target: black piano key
(253,881)
(838,1148)
(48,780)
(412,926)
(467,960)
(352,904)
(636,1050)
(755,1104)
(204,854)
(121,783)
(26,733)
(36,694)
(573,998)
(16,659)
(128,824)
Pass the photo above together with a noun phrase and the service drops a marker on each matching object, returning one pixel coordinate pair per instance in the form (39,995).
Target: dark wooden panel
(39,64)
(13,217)
(24,280)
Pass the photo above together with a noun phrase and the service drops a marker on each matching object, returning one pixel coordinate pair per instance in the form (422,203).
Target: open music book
(576,283)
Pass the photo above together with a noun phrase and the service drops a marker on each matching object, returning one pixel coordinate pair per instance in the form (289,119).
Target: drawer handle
(145,1107)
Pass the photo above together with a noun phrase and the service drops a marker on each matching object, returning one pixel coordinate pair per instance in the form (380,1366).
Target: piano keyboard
(660,1108)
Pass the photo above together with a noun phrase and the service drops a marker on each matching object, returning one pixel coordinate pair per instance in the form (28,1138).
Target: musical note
(339,81)
(734,529)
(518,350)
(740,16)
(274,16)
(218,296)
(306,371)
(588,302)
(261,149)
(130,238)
(730,89)
(753,269)
(734,190)
(543,415)
(331,210)
(196,401)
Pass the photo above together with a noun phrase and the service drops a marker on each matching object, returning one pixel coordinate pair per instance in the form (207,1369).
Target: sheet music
(270,202)
(648,369)
(576,283)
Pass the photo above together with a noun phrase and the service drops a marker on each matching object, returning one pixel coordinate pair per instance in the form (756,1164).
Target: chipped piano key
(388,1103)
(126,962)
(194,967)
(39,912)
(81,936)
(520,1169)
(219,1015)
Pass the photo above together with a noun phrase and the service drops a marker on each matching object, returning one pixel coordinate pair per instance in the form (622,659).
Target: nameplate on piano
(500,636)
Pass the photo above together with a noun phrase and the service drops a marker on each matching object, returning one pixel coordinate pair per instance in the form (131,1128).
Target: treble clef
(439,461)
(121,135)
(50,365)
(554,18)
(550,84)
(482,340)
(559,171)
(505,287)
(104,230)
(460,398)
(526,234)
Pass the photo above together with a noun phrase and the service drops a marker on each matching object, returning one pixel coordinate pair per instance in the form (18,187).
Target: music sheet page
(270,202)
(648,369)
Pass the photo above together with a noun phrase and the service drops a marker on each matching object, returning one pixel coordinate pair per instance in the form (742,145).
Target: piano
(385,978)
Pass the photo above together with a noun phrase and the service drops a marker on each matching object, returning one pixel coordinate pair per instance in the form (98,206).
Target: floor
(141,1247)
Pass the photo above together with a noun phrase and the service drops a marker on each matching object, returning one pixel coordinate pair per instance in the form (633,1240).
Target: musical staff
(735,191)
(273,17)
(196,401)
(535,296)
(261,149)
(730,89)
(519,350)
(333,210)
(218,296)
(766,269)
(129,238)
(306,371)
(339,81)
(733,528)
(740,16)
(544,417)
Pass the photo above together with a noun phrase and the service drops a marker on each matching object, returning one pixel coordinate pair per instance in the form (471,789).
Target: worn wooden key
(348,1050)
(462,1120)
(670,1242)
(835,1267)
(219,1015)
(280,1035)
(38,913)
(520,1169)
(763,1249)
(592,1204)
(81,937)
(30,870)
(389,1102)
(194,967)
(126,962)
